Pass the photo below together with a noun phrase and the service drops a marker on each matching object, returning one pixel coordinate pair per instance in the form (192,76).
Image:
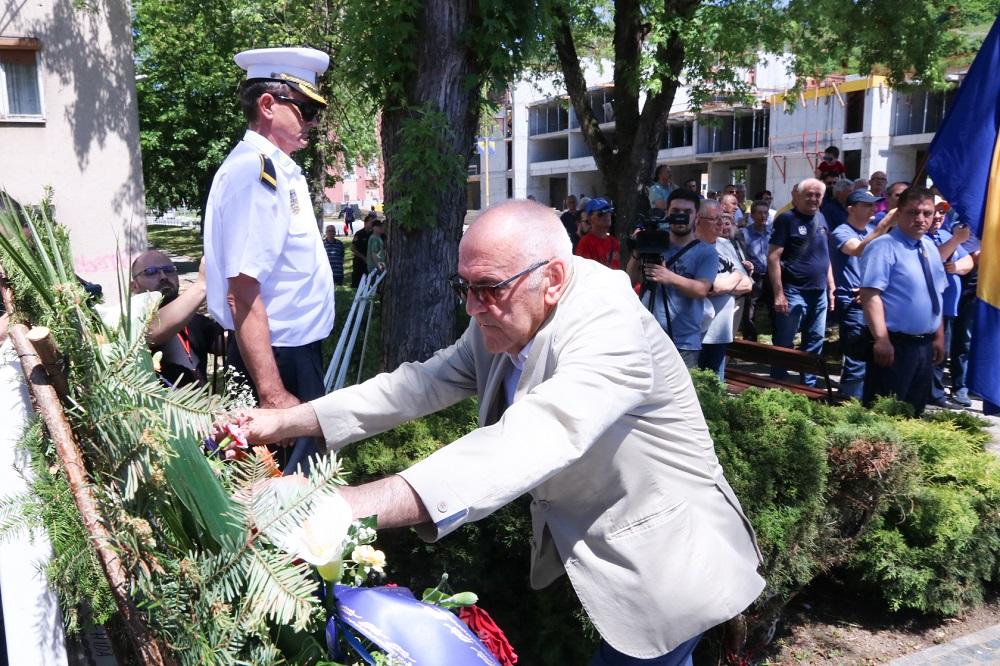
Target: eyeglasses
(167,269)
(487,293)
(308,110)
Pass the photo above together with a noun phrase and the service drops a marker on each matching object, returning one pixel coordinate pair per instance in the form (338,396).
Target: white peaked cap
(301,63)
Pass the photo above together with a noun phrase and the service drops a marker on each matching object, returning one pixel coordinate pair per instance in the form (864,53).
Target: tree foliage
(709,46)
(430,68)
(187,86)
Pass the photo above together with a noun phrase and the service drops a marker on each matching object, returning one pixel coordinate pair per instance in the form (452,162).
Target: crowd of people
(890,266)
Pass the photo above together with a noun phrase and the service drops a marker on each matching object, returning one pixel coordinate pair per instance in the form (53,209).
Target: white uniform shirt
(271,235)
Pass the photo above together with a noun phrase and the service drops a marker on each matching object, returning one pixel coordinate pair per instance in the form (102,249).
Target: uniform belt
(906,337)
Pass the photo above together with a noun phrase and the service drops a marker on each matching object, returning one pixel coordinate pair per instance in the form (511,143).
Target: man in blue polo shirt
(848,243)
(902,280)
(798,266)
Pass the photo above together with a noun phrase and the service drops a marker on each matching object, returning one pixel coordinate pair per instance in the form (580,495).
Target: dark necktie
(931,291)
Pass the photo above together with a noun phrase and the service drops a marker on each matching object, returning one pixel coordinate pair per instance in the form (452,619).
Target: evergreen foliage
(202,567)
(935,549)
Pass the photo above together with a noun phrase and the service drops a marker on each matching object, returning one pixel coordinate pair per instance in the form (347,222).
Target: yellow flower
(369,557)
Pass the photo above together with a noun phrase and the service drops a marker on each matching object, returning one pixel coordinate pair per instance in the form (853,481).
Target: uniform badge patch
(802,230)
(293,199)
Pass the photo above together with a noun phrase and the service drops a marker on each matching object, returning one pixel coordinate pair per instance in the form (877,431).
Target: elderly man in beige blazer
(584,403)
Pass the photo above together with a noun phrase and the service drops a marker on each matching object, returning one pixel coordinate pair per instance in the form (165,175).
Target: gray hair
(711,205)
(811,181)
(843,185)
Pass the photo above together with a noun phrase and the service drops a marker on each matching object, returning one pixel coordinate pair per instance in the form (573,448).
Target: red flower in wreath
(483,626)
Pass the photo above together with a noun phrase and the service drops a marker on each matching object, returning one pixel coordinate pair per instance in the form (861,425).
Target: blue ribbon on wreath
(405,628)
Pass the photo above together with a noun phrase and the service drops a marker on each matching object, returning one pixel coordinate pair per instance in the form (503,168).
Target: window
(854,118)
(20,93)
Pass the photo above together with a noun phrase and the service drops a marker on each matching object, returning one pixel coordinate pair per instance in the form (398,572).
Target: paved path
(982,647)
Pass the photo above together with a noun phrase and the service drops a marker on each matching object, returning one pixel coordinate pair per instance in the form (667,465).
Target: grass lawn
(187,241)
(184,241)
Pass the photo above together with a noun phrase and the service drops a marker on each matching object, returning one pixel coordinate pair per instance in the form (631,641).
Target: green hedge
(907,507)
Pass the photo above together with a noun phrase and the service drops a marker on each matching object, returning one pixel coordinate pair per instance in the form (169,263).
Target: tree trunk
(418,307)
(626,165)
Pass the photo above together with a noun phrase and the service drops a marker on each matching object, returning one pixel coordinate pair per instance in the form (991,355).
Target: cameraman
(676,285)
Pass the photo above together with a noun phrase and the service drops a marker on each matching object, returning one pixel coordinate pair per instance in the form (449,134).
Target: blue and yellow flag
(964,161)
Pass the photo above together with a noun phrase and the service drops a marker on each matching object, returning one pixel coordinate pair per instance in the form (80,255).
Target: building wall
(86,146)
(555,162)
(359,186)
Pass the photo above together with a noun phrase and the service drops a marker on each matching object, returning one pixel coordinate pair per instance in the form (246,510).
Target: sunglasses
(308,110)
(168,269)
(487,293)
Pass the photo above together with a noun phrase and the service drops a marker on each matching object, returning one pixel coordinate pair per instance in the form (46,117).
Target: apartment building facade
(537,148)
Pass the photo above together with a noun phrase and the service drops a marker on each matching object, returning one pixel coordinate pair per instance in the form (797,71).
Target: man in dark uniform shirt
(177,330)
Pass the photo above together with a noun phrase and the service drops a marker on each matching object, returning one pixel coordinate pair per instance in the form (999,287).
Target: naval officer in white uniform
(267,276)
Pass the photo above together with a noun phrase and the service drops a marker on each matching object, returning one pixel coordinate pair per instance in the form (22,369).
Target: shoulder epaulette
(268,176)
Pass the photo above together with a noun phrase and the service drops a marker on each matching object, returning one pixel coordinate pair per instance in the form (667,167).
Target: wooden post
(41,339)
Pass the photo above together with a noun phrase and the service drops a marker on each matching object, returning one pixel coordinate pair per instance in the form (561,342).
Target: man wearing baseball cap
(597,244)
(847,242)
(267,276)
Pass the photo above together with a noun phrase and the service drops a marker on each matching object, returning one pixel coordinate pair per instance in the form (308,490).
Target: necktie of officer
(929,279)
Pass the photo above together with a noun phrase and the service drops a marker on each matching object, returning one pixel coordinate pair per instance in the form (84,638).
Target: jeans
(713,357)
(679,656)
(760,295)
(852,327)
(908,378)
(690,357)
(806,312)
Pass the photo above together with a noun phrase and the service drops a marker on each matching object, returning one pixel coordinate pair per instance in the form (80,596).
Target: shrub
(935,549)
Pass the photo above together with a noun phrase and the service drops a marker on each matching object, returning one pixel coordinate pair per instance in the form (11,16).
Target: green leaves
(441,596)
(424,164)
(187,86)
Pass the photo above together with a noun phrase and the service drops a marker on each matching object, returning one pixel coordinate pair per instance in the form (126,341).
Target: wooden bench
(738,380)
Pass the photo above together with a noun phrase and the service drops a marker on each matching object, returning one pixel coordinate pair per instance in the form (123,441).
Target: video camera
(652,239)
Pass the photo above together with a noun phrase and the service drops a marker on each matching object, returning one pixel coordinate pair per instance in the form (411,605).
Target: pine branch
(15,515)
(279,589)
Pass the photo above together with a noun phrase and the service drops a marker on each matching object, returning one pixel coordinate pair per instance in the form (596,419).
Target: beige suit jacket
(606,433)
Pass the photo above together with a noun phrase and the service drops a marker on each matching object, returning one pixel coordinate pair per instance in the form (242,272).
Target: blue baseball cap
(861,196)
(599,205)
